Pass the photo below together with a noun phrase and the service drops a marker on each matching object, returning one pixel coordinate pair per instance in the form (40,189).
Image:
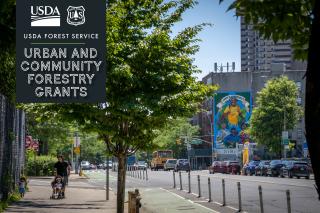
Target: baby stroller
(58,187)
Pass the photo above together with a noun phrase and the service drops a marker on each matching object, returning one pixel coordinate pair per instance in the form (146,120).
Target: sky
(221,42)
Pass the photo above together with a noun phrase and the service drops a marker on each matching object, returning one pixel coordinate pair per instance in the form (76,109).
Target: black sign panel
(60,51)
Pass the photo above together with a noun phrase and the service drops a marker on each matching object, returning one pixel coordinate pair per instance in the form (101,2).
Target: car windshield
(275,162)
(165,154)
(254,162)
(172,161)
(184,161)
(141,162)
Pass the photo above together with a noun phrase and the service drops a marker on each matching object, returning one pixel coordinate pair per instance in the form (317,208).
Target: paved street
(303,195)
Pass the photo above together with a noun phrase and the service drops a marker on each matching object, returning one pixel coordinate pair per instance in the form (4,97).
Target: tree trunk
(312,105)
(122,168)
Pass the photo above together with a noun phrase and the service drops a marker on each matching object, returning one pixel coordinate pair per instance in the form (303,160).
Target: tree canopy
(173,135)
(276,109)
(7,48)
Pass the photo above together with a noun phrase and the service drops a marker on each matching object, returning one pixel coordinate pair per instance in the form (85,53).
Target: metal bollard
(199,188)
(140,174)
(180,180)
(261,200)
(146,173)
(209,189)
(239,196)
(288,201)
(223,193)
(174,179)
(189,182)
(143,172)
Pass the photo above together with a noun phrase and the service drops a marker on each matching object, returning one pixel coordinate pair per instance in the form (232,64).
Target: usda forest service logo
(76,15)
(45,16)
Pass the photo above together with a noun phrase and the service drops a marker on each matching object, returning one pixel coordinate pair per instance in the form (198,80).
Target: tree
(172,136)
(53,135)
(7,48)
(149,79)
(299,21)
(276,110)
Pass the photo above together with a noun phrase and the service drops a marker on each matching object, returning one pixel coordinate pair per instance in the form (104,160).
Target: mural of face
(233,101)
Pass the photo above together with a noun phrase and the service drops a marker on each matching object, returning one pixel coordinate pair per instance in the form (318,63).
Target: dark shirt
(61,168)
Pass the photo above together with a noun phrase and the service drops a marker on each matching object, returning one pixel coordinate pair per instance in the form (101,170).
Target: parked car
(295,169)
(216,167)
(92,166)
(140,165)
(85,165)
(170,164)
(249,169)
(274,168)
(262,168)
(231,167)
(105,164)
(182,164)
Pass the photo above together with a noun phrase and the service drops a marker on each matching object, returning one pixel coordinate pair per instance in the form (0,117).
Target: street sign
(76,141)
(196,141)
(77,150)
(285,135)
(285,141)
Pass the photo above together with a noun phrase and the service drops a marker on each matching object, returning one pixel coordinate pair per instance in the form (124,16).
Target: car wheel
(307,177)
(298,177)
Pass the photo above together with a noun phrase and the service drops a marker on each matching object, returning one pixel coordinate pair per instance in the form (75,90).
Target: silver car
(85,165)
(170,163)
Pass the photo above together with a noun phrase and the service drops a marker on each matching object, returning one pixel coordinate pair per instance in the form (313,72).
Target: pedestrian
(62,169)
(22,186)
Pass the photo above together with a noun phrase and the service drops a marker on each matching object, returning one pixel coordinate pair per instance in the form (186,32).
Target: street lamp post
(211,133)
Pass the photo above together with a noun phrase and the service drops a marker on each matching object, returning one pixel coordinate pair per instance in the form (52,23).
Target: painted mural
(232,111)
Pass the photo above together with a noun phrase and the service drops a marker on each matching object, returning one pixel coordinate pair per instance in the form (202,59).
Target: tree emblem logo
(76,15)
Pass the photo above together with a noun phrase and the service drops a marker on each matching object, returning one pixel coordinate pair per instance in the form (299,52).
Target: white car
(141,165)
(85,165)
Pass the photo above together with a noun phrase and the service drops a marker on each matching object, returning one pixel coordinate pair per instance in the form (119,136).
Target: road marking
(230,207)
(190,201)
(109,188)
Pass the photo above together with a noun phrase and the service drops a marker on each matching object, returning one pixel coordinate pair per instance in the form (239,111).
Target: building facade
(254,82)
(257,53)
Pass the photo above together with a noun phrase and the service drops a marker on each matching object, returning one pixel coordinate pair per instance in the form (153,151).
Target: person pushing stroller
(58,188)
(62,170)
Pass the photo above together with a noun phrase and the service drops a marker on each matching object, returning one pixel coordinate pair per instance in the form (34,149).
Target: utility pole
(284,129)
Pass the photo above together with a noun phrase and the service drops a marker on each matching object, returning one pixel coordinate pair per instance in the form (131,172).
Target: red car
(232,167)
(226,167)
(217,166)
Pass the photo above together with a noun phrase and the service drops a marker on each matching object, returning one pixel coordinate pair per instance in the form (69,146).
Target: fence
(12,146)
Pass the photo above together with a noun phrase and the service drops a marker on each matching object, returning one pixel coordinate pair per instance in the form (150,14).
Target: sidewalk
(159,200)
(78,199)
